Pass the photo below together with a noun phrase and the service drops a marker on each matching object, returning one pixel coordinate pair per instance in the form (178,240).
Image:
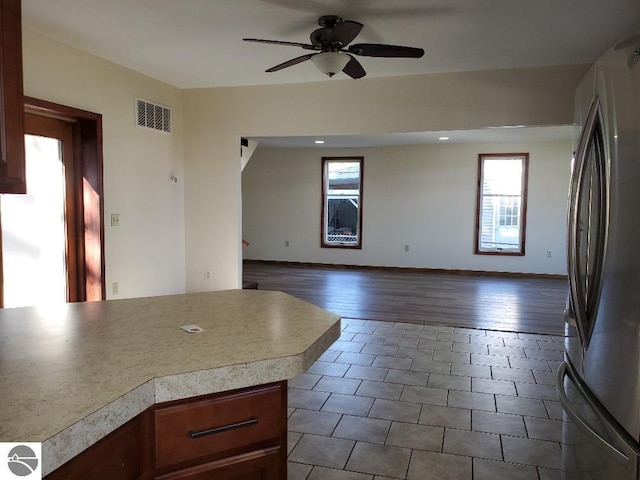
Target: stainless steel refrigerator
(599,382)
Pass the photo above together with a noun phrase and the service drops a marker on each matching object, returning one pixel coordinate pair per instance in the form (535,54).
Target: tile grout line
(501,447)
(406,473)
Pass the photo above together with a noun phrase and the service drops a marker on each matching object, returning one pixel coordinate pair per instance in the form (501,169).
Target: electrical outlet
(115,219)
(207,274)
(548,253)
(114,288)
(406,248)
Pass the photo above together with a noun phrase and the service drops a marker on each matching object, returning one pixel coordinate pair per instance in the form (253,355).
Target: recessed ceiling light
(443,138)
(319,141)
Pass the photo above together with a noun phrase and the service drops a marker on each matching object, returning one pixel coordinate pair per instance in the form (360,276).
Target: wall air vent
(152,115)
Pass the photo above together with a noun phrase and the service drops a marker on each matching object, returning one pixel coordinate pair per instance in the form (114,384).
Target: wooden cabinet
(239,435)
(12,158)
(122,455)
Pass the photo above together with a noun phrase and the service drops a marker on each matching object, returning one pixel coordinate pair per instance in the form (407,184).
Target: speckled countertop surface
(71,374)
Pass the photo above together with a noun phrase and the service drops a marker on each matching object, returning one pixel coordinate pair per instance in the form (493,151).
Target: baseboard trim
(478,273)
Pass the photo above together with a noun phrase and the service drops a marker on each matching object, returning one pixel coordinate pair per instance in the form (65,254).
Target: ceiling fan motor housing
(324,38)
(330,20)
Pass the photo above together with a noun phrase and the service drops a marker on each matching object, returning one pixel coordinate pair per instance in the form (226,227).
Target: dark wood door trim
(89,197)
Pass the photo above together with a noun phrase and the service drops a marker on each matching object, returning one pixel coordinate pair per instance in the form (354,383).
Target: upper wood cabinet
(12,166)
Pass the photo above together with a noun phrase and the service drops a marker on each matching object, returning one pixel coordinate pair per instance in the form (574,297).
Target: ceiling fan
(334,54)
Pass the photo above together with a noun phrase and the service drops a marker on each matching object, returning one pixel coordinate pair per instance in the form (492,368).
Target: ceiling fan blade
(354,69)
(627,42)
(290,63)
(379,50)
(345,32)
(279,42)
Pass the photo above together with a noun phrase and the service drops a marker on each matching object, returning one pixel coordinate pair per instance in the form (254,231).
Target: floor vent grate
(152,115)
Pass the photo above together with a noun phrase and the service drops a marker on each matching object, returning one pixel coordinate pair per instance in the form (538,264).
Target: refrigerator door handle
(566,370)
(578,303)
(575,308)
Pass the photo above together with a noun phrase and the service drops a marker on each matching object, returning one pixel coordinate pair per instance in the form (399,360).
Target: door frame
(88,185)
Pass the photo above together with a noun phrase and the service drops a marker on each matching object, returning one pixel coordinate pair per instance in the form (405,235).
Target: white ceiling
(198,43)
(486,135)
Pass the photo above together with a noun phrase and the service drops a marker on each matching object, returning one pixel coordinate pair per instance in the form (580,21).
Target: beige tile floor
(419,402)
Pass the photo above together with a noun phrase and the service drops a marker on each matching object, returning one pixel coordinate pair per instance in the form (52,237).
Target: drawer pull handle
(226,428)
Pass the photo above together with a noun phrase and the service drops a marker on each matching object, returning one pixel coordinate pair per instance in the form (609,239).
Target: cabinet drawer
(219,426)
(270,464)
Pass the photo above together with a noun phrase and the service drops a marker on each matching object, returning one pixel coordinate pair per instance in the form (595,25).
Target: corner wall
(146,253)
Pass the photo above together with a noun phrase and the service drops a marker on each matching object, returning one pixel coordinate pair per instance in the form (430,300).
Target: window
(509,215)
(342,202)
(501,203)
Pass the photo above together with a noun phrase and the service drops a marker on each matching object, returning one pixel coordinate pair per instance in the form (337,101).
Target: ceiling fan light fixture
(330,63)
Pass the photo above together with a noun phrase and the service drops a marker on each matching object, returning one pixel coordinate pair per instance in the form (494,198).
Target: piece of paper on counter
(192,328)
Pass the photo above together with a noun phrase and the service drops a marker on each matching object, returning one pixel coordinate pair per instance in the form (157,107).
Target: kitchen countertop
(70,374)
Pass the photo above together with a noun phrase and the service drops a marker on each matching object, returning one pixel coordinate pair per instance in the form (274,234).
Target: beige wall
(145,254)
(170,234)
(421,196)
(216,118)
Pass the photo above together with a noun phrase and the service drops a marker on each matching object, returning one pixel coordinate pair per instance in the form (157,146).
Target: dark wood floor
(516,304)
